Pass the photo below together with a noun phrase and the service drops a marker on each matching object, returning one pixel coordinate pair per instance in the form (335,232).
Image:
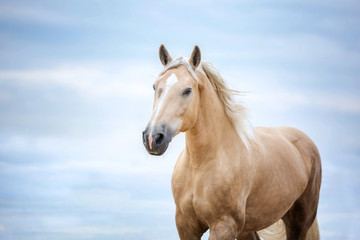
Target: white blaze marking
(169,83)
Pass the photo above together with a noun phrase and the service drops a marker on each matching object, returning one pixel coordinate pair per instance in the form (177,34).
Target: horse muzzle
(156,140)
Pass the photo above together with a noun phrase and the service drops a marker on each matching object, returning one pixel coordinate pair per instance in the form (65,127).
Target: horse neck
(212,130)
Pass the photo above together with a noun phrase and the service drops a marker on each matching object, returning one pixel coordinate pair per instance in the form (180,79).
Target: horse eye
(187,91)
(154,86)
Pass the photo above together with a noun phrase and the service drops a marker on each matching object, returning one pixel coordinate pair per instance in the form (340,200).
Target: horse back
(288,144)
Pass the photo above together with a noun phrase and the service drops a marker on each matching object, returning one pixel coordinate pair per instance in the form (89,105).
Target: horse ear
(164,55)
(195,57)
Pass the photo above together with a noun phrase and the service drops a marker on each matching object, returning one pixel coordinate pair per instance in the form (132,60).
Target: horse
(237,180)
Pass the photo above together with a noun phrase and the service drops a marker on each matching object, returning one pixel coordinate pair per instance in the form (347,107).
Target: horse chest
(206,193)
(200,200)
(193,205)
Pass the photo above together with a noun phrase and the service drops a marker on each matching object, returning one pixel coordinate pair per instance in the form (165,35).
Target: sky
(76,92)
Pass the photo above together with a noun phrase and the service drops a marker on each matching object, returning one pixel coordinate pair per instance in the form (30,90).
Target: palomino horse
(231,178)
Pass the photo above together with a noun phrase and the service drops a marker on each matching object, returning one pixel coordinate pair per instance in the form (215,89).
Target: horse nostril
(159,139)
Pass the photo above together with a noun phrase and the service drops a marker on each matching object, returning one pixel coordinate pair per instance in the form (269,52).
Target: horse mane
(235,111)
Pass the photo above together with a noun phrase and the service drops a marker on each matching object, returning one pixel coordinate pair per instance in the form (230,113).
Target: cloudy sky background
(76,91)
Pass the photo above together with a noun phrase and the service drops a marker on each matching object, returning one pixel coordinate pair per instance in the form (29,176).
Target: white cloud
(28,14)
(342,103)
(269,89)
(304,49)
(283,100)
(131,80)
(72,225)
(92,230)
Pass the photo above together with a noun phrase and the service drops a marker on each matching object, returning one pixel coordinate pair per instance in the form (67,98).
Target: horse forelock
(181,61)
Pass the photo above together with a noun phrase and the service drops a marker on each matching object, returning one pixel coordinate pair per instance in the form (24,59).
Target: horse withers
(231,178)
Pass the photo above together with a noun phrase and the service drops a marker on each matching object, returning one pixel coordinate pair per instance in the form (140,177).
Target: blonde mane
(236,112)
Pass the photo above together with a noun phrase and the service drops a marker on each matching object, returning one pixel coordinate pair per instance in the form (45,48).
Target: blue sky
(76,91)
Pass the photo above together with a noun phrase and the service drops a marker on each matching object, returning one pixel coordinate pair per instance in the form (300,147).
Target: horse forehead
(181,73)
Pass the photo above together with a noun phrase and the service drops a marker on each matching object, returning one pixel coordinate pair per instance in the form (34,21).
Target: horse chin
(159,151)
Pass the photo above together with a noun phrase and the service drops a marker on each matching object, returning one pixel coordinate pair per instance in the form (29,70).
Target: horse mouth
(159,151)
